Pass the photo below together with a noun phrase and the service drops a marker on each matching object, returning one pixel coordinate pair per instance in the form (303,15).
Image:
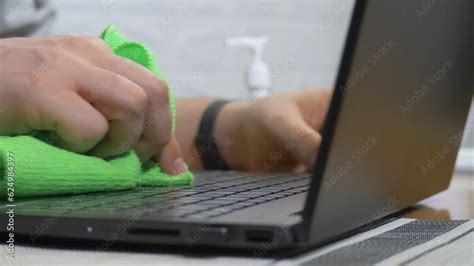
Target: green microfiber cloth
(36,168)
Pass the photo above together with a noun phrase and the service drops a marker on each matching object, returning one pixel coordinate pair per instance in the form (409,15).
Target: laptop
(391,138)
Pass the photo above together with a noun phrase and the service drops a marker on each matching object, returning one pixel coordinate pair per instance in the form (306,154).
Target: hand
(95,102)
(277,133)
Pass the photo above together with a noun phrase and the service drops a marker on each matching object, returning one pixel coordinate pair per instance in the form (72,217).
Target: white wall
(306,38)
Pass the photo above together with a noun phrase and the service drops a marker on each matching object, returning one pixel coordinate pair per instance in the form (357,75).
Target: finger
(170,159)
(121,101)
(78,126)
(296,136)
(300,169)
(157,126)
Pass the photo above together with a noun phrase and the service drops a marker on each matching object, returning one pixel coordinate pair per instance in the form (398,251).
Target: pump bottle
(258,77)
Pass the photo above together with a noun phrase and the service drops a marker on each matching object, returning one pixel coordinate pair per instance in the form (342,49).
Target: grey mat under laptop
(401,242)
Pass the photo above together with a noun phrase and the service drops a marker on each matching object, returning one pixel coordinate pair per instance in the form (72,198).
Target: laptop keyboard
(214,193)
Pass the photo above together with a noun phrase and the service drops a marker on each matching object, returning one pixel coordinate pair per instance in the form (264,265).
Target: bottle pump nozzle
(258,76)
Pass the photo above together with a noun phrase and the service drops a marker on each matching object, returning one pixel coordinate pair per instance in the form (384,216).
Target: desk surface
(456,203)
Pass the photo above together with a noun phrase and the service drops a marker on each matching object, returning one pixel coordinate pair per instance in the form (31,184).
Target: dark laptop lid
(397,115)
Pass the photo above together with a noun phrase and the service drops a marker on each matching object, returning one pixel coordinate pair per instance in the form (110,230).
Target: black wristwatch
(206,138)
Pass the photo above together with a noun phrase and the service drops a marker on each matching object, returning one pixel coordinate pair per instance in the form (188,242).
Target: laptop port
(258,236)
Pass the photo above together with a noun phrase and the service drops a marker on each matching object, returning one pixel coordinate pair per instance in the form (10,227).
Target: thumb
(297,137)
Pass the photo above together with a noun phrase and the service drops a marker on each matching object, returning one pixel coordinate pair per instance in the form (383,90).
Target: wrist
(228,133)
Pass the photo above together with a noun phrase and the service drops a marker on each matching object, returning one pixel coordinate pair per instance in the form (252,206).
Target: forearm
(188,117)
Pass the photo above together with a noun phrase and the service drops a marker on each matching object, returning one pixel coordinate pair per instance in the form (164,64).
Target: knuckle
(92,132)
(114,62)
(58,57)
(42,55)
(87,43)
(137,102)
(158,108)
(133,99)
(98,43)
(43,60)
(158,89)
(139,99)
(77,42)
(158,100)
(55,57)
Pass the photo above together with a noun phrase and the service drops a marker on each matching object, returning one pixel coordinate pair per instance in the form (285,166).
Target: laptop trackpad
(286,210)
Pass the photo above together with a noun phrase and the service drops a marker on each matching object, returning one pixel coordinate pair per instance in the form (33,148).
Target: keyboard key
(213,193)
